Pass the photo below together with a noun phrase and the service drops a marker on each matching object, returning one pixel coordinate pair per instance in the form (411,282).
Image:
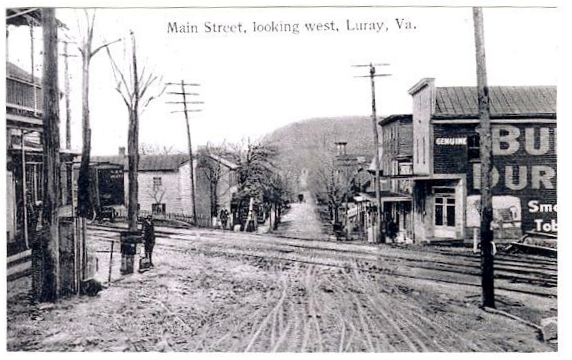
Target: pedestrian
(223,218)
(149,238)
(392,230)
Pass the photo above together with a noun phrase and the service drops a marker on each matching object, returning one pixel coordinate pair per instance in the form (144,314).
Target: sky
(253,83)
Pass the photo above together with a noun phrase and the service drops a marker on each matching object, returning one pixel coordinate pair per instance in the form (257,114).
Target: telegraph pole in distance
(69,170)
(372,75)
(65,55)
(487,259)
(186,111)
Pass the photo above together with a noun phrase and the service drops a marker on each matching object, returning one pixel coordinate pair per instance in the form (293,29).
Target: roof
(27,16)
(505,101)
(229,164)
(147,162)
(396,117)
(15,72)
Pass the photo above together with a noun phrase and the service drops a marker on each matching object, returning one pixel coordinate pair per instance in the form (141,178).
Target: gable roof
(147,162)
(396,117)
(505,101)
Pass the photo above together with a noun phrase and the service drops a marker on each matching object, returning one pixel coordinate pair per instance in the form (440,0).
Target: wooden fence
(203,220)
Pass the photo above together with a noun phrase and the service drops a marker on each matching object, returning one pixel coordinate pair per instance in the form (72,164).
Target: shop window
(444,211)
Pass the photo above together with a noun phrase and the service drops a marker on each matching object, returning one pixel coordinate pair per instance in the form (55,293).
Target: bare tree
(210,165)
(134,86)
(155,149)
(87,53)
(157,192)
(330,183)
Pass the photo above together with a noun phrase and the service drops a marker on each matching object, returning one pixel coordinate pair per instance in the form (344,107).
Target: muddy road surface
(215,291)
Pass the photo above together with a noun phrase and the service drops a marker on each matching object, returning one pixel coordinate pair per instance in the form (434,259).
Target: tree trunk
(84,203)
(133,146)
(133,158)
(49,241)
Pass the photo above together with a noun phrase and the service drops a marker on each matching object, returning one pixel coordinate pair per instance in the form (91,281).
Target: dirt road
(240,292)
(302,221)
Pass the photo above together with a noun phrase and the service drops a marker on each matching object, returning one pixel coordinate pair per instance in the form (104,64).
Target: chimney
(341,147)
(122,150)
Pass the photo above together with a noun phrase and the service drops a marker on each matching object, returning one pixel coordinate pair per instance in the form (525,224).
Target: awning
(386,196)
(407,177)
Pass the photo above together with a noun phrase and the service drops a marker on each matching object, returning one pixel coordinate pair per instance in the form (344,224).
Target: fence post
(110,263)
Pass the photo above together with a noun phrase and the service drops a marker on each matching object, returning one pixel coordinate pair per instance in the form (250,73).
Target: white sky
(253,83)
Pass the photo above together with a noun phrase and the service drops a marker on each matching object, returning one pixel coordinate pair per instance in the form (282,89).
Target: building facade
(165,183)
(446,162)
(396,167)
(24,159)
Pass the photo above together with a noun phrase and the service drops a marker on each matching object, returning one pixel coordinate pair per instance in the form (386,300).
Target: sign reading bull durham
(524,167)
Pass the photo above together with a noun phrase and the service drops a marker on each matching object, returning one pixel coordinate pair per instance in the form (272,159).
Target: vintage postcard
(281,178)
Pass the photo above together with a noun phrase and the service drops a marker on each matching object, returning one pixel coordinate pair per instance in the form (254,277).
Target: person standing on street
(149,238)
(223,218)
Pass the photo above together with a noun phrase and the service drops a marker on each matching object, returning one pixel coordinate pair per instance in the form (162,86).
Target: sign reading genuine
(451,141)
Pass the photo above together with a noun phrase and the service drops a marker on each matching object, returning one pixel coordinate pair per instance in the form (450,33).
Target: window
(157,182)
(424,150)
(158,209)
(444,211)
(473,147)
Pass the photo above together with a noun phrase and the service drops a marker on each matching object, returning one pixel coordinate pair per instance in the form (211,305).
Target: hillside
(298,143)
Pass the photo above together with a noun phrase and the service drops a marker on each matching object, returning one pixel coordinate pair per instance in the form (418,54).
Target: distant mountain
(298,143)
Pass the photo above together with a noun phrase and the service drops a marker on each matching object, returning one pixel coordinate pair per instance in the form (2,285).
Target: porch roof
(386,196)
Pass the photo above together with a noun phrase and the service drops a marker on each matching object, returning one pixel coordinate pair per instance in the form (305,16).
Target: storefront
(447,166)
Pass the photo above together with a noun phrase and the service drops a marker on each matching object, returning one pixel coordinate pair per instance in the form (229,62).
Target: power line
(184,93)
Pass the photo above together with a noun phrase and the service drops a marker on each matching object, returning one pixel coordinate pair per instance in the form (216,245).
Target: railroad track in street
(526,274)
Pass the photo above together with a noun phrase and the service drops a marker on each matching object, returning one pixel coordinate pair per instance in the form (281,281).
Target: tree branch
(104,46)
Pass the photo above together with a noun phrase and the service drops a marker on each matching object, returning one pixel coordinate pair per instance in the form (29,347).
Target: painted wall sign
(451,141)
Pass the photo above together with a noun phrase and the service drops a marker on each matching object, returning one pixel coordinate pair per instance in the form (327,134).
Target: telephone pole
(380,236)
(66,55)
(186,111)
(49,286)
(487,259)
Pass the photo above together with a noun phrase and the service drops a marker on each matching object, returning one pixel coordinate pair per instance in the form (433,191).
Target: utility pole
(186,112)
(33,69)
(69,170)
(372,75)
(133,143)
(65,55)
(50,281)
(487,259)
